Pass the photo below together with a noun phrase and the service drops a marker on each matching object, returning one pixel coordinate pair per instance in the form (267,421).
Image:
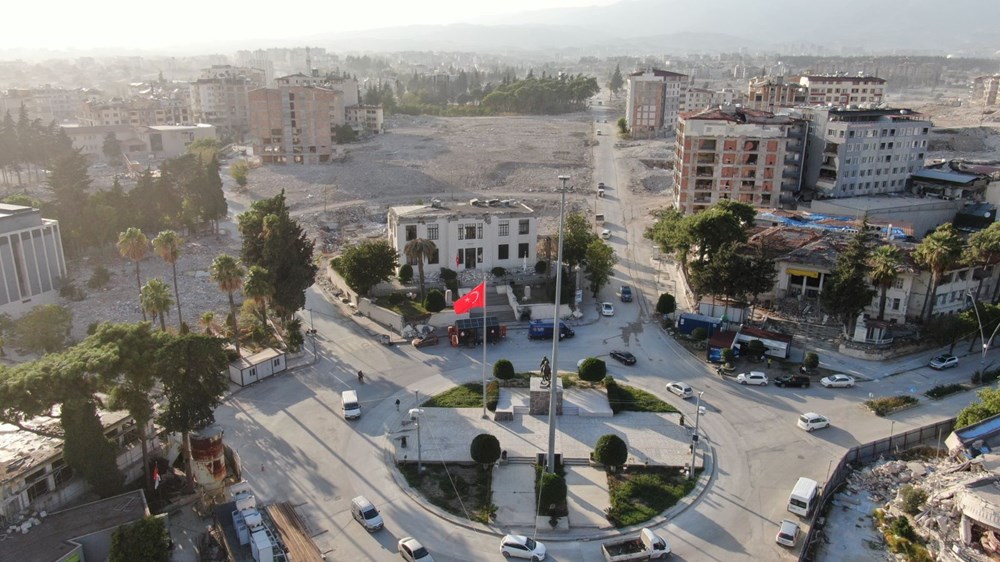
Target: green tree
(616,81)
(601,260)
(156,300)
(755,348)
(485,449)
(44,329)
(503,370)
(848,291)
(228,275)
(939,251)
(205,149)
(434,301)
(666,304)
(593,370)
(611,451)
(983,250)
(405,274)
(810,361)
(950,328)
(192,368)
(86,449)
(146,540)
(69,184)
(623,126)
(276,242)
(345,134)
(578,235)
(167,245)
(420,250)
(240,171)
(886,263)
(257,287)
(112,149)
(551,492)
(367,264)
(670,234)
(987,406)
(133,245)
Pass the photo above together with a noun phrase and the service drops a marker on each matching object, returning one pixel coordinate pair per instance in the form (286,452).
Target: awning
(803,273)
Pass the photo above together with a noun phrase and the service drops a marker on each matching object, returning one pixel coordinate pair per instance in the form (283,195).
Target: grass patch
(460,489)
(468,395)
(942,390)
(889,404)
(642,493)
(624,398)
(409,309)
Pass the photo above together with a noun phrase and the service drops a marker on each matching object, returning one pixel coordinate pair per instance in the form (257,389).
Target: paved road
(296,446)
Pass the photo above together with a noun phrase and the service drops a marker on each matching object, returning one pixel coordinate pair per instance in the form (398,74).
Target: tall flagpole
(550,465)
(485,415)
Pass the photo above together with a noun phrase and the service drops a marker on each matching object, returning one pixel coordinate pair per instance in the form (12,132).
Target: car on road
(607,309)
(606,234)
(753,377)
(520,546)
(625,293)
(424,341)
(811,420)
(680,389)
(788,533)
(945,361)
(364,512)
(793,380)
(411,549)
(837,381)
(623,357)
(598,132)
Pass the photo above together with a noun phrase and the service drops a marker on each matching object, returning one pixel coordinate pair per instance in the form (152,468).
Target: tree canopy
(848,291)
(601,260)
(367,264)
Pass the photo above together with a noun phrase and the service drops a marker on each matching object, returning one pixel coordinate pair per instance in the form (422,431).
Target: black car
(793,380)
(623,357)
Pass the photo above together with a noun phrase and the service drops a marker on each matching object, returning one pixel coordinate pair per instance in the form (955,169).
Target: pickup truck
(648,546)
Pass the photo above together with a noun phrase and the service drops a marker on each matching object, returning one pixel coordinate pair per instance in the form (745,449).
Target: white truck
(648,546)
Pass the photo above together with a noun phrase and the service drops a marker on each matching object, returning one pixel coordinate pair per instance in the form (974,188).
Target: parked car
(364,512)
(753,377)
(520,546)
(606,234)
(607,309)
(623,357)
(812,420)
(424,341)
(945,361)
(793,380)
(788,533)
(411,549)
(625,293)
(837,381)
(680,389)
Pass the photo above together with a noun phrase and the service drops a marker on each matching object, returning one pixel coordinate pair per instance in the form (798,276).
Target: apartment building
(654,100)
(854,152)
(295,124)
(31,259)
(141,144)
(47,104)
(745,155)
(844,90)
(468,236)
(136,112)
(984,90)
(220,96)
(366,118)
(696,99)
(769,93)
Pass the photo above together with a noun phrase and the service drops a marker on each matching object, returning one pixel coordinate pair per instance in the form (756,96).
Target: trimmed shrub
(448,274)
(666,304)
(405,273)
(434,301)
(728,356)
(593,369)
(551,491)
(492,395)
(498,272)
(611,450)
(755,348)
(541,267)
(99,278)
(503,370)
(699,334)
(888,404)
(942,390)
(810,361)
(485,449)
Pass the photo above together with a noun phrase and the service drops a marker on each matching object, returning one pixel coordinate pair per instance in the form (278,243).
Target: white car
(837,381)
(788,533)
(812,420)
(945,361)
(607,309)
(606,234)
(680,389)
(411,549)
(520,546)
(753,377)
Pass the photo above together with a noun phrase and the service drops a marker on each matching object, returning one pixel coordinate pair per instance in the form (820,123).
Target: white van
(352,409)
(802,500)
(365,513)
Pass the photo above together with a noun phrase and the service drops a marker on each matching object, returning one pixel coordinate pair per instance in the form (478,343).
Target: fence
(933,435)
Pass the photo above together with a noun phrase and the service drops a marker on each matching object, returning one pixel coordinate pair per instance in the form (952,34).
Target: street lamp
(982,334)
(550,465)
(694,437)
(415,414)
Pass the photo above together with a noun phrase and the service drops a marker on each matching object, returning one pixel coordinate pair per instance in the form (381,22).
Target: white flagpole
(485,415)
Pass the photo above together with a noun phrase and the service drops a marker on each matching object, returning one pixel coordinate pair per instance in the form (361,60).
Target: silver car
(753,377)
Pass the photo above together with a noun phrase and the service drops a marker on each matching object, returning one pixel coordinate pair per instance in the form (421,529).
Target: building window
(276,362)
(39,486)
(479,232)
(522,250)
(503,252)
(470,232)
(411,232)
(432,232)
(522,226)
(895,304)
(503,229)
(432,258)
(61,473)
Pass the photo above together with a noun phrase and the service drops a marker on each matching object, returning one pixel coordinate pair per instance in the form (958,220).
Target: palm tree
(418,250)
(207,322)
(133,245)
(885,266)
(984,248)
(257,287)
(228,274)
(938,252)
(167,245)
(155,299)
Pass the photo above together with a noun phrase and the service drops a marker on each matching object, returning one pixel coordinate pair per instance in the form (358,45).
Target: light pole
(694,438)
(415,414)
(982,334)
(550,465)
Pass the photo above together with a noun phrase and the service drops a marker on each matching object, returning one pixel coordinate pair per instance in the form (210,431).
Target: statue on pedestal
(546,371)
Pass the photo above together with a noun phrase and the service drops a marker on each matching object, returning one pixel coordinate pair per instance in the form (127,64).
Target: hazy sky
(151,24)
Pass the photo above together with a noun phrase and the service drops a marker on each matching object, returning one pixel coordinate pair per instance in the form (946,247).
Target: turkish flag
(473,299)
(156,477)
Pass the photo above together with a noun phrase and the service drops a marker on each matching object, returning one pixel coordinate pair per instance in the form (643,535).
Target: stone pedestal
(540,397)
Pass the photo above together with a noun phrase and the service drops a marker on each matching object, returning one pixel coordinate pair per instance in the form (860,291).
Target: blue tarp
(812,220)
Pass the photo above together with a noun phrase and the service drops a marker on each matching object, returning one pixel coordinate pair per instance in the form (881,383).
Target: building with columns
(31,259)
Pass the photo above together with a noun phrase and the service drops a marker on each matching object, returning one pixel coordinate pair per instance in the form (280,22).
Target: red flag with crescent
(473,299)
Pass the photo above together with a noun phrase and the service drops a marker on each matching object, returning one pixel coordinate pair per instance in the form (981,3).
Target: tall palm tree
(885,265)
(207,321)
(156,300)
(418,250)
(133,245)
(228,274)
(938,252)
(984,249)
(167,245)
(257,287)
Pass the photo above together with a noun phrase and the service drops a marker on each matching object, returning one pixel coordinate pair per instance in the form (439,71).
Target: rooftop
(836,78)
(658,72)
(736,114)
(946,176)
(506,207)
